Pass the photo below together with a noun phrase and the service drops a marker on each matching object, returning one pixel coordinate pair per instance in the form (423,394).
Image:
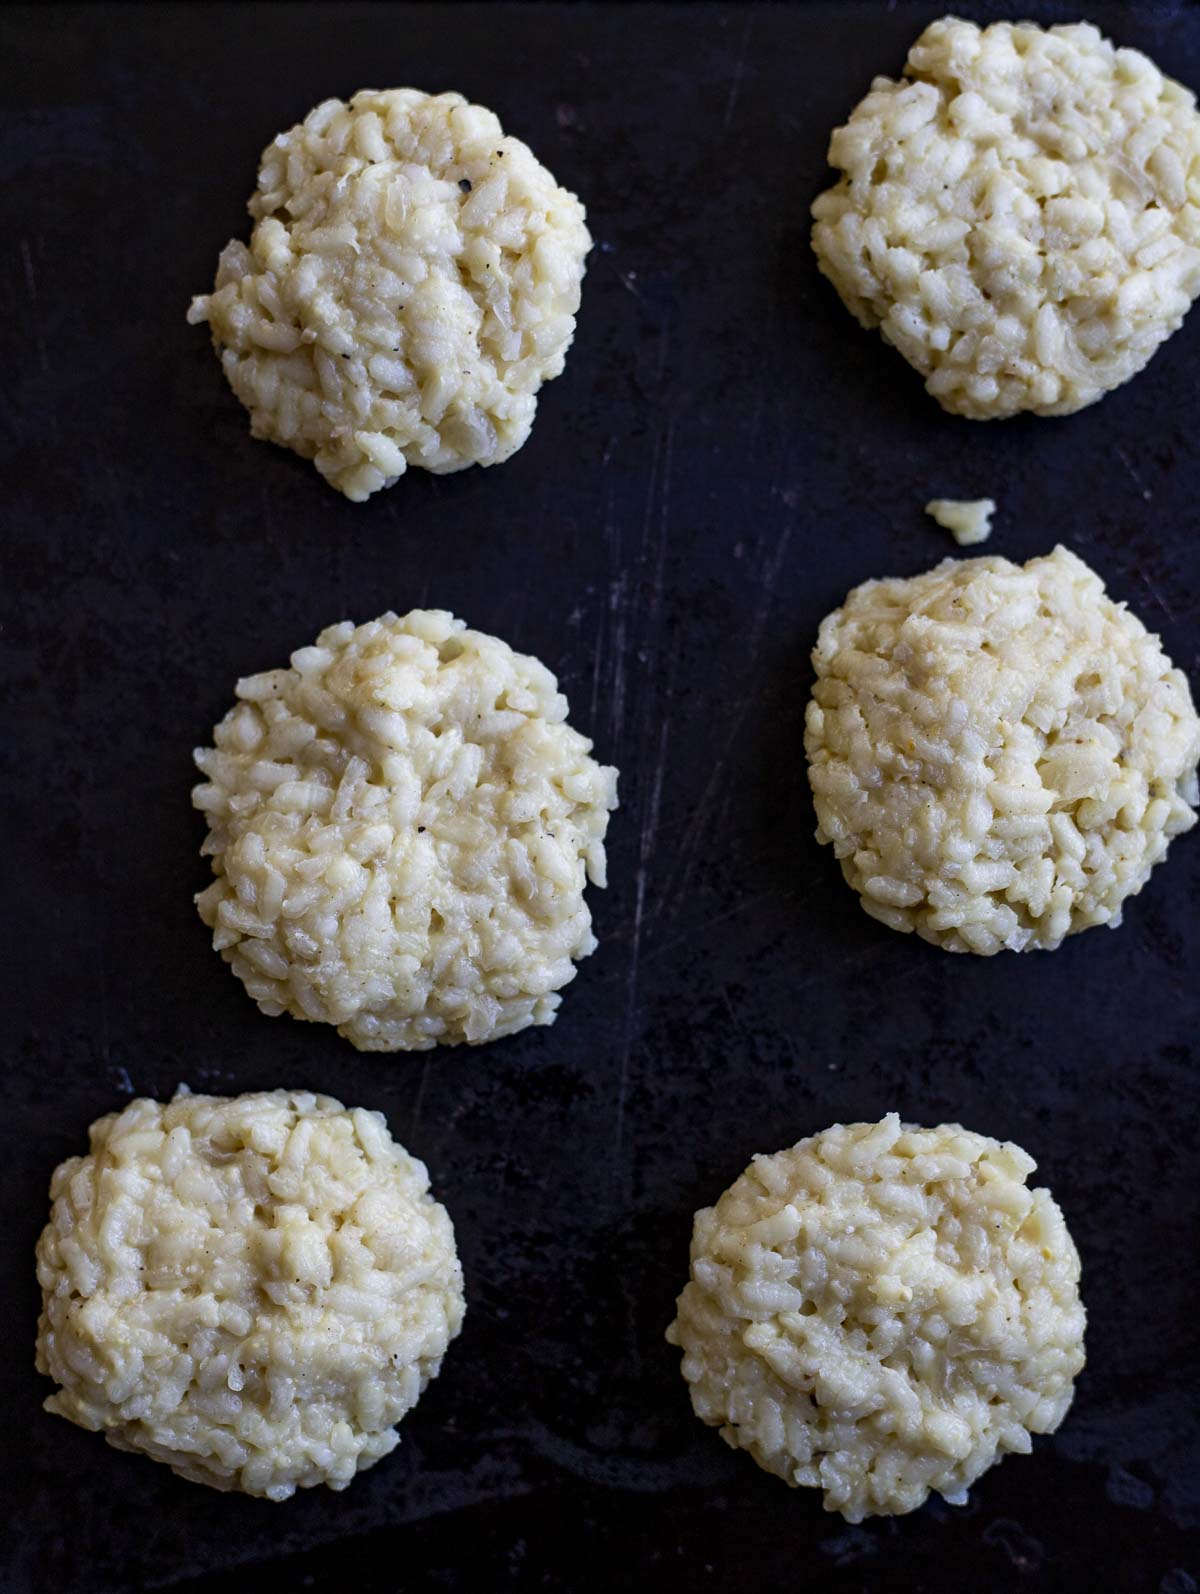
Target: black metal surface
(725,455)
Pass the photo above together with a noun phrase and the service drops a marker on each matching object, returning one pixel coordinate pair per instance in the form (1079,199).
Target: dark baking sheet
(725,455)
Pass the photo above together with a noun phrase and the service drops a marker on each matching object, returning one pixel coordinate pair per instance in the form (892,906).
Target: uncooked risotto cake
(411,281)
(253,1289)
(402,825)
(999,754)
(882,1311)
(1019,214)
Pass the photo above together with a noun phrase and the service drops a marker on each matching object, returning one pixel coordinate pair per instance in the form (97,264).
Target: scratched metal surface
(725,455)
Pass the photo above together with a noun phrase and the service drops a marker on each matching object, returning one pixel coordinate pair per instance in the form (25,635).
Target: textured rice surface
(252,1289)
(402,825)
(411,281)
(1019,214)
(882,1311)
(968,520)
(999,754)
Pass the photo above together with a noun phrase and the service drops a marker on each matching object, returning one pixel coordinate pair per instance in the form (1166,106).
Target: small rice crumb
(969,520)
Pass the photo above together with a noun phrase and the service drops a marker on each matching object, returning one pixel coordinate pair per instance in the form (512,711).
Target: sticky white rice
(1019,215)
(882,1311)
(411,281)
(999,754)
(402,825)
(253,1289)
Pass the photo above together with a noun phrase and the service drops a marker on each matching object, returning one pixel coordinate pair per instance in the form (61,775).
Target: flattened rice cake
(401,826)
(999,754)
(252,1289)
(1019,215)
(411,281)
(882,1311)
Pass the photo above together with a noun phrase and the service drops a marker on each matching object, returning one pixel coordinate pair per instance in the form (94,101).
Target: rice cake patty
(253,1289)
(999,754)
(1019,214)
(402,825)
(882,1311)
(411,281)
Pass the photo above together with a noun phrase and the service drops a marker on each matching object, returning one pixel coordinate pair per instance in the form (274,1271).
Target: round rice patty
(252,1289)
(402,825)
(882,1311)
(412,279)
(1019,214)
(999,754)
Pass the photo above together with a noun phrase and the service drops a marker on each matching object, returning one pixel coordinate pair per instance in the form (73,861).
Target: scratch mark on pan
(664,343)
(628,280)
(627,1027)
(420,1102)
(738,72)
(35,317)
(646,838)
(849,966)
(745,1040)
(649,829)
(650,715)
(767,589)
(672,897)
(747,906)
(755,421)
(1123,456)
(660,486)
(598,655)
(689,849)
(616,604)
(1156,595)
